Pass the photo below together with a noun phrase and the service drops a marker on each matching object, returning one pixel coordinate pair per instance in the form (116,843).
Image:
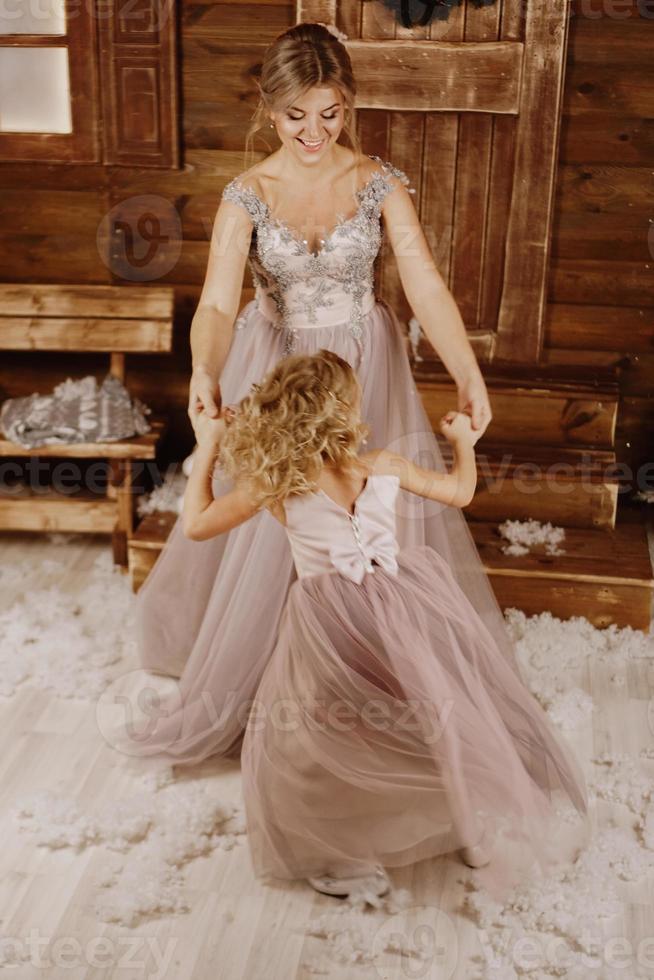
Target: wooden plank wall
(601,304)
(601,284)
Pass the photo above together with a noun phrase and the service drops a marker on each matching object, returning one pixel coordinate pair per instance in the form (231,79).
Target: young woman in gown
(309,219)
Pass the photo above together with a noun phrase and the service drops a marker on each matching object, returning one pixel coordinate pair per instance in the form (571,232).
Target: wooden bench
(118,320)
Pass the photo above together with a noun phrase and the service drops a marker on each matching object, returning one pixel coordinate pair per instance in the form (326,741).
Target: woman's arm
(433,304)
(212,326)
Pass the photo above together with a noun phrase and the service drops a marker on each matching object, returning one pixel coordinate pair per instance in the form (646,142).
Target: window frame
(82,145)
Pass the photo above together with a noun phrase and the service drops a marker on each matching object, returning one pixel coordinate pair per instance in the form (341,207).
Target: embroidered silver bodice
(296,288)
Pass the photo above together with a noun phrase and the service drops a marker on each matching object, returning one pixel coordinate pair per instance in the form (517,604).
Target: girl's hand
(473,400)
(457,428)
(208,431)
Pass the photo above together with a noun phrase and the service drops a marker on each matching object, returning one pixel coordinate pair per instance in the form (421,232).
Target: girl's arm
(456,488)
(204,516)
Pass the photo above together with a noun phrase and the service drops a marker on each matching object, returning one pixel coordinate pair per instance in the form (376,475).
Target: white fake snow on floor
(75,646)
(523,535)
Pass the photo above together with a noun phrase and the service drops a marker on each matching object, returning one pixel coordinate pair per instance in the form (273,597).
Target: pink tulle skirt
(388,727)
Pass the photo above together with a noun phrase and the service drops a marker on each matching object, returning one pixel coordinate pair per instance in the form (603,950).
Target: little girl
(387,725)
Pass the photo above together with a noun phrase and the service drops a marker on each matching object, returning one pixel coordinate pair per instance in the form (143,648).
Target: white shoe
(476,855)
(376,881)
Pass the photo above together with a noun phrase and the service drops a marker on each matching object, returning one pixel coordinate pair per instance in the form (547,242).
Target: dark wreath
(431,9)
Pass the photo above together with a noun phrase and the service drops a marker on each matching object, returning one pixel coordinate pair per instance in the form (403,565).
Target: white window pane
(33,17)
(34,91)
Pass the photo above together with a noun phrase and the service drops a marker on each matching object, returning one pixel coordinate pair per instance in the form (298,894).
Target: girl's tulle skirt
(388,727)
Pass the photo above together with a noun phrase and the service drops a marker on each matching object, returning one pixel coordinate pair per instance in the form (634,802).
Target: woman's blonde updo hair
(303,415)
(303,56)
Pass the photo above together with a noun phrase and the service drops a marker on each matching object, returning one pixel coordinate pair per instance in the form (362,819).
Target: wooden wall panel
(239,23)
(138,59)
(522,308)
(474,189)
(614,138)
(592,87)
(438,181)
(500,179)
(464,188)
(468,77)
(611,284)
(601,283)
(405,150)
(600,298)
(49,215)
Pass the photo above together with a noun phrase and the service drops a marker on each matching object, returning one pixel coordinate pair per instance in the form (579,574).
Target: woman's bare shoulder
(368,166)
(259,172)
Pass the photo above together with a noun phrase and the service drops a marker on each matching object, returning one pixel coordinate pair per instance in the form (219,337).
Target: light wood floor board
(235,928)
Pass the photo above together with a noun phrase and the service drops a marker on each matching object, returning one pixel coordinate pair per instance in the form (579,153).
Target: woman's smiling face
(312,123)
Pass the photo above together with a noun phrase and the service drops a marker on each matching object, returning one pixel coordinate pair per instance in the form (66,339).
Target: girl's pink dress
(386,716)
(209,612)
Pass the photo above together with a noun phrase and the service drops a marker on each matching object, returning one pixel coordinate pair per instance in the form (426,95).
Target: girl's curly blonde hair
(303,415)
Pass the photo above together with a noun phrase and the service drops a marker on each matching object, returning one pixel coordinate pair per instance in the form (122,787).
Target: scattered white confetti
(69,644)
(161,831)
(73,646)
(166,498)
(523,535)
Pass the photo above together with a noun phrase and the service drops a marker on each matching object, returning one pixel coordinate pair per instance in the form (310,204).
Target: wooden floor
(236,929)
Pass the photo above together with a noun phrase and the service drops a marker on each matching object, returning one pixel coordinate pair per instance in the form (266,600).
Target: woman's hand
(473,400)
(204,394)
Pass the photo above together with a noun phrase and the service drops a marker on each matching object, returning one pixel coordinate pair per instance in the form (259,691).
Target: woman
(309,220)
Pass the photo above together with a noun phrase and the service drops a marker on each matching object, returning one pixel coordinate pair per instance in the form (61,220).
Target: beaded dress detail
(296,288)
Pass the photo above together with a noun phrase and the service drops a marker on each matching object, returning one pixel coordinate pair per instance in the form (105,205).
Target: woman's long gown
(209,612)
(386,718)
